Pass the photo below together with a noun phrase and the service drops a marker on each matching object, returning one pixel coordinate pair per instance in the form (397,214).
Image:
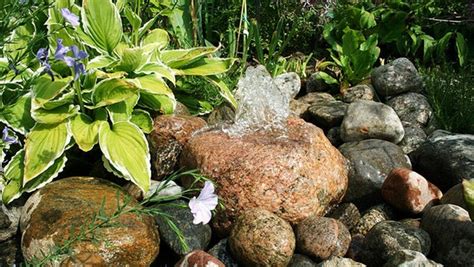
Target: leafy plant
(98,89)
(468,186)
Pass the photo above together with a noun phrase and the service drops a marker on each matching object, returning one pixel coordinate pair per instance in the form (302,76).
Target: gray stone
(452,235)
(399,76)
(197,236)
(289,83)
(367,119)
(298,107)
(340,262)
(300,260)
(445,158)
(371,217)
(414,137)
(222,252)
(410,258)
(347,213)
(10,253)
(358,92)
(9,219)
(412,107)
(371,161)
(387,237)
(455,196)
(316,84)
(327,115)
(334,136)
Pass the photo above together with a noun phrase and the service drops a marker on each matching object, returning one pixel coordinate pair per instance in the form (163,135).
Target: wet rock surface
(412,108)
(321,237)
(445,158)
(197,236)
(327,115)
(371,217)
(396,77)
(170,133)
(407,258)
(367,119)
(346,213)
(358,92)
(222,252)
(294,177)
(260,238)
(50,213)
(299,107)
(300,260)
(414,137)
(340,262)
(371,161)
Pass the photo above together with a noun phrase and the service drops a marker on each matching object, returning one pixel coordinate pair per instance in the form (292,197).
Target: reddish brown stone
(56,213)
(322,237)
(260,238)
(408,191)
(167,139)
(294,177)
(199,258)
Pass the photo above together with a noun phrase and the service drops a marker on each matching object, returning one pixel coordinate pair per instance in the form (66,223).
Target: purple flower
(202,206)
(74,61)
(61,50)
(6,138)
(42,56)
(70,17)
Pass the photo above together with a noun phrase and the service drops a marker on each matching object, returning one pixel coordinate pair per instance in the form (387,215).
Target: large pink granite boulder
(294,177)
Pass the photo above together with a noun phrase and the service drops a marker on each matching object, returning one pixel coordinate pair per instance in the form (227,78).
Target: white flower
(202,206)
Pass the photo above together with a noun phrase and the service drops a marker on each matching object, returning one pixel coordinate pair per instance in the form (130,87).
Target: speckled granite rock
(412,107)
(414,137)
(170,133)
(373,216)
(347,213)
(445,158)
(197,236)
(358,92)
(50,213)
(410,258)
(289,83)
(9,219)
(409,192)
(293,177)
(396,77)
(368,119)
(340,262)
(327,115)
(10,252)
(300,260)
(387,237)
(321,237)
(260,238)
(371,161)
(199,258)
(222,252)
(452,235)
(298,107)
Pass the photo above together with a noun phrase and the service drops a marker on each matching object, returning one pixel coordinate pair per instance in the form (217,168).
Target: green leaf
(102,23)
(47,176)
(55,115)
(132,59)
(159,69)
(100,62)
(18,115)
(111,91)
(468,186)
(328,79)
(44,144)
(157,38)
(165,104)
(133,18)
(85,131)
(122,111)
(126,148)
(152,84)
(181,57)
(462,49)
(206,66)
(442,45)
(428,45)
(224,91)
(142,119)
(367,20)
(45,90)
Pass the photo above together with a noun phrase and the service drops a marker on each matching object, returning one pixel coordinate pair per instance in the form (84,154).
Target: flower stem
(77,88)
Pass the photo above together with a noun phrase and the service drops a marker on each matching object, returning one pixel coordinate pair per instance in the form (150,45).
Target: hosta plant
(95,84)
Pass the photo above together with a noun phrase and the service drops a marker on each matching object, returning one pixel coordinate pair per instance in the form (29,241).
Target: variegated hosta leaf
(122,111)
(14,172)
(85,131)
(132,59)
(44,144)
(164,104)
(157,38)
(152,84)
(112,91)
(206,66)
(102,23)
(181,57)
(142,119)
(45,89)
(101,62)
(111,168)
(126,148)
(55,115)
(160,69)
(18,115)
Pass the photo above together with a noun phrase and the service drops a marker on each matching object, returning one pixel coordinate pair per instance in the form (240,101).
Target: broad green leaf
(159,69)
(45,89)
(108,166)
(468,186)
(462,49)
(181,57)
(133,18)
(126,148)
(55,115)
(164,104)
(67,97)
(44,144)
(153,84)
(18,115)
(328,79)
(442,45)
(101,21)
(111,91)
(85,131)
(224,91)
(158,38)
(428,45)
(100,62)
(147,26)
(4,64)
(131,59)
(367,20)
(142,119)
(47,176)
(207,66)
(122,111)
